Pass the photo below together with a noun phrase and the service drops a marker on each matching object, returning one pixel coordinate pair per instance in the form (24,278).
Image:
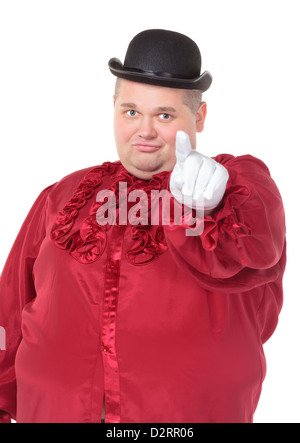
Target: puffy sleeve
(245,233)
(16,290)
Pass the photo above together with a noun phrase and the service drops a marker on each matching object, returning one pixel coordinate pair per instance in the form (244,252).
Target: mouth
(146,147)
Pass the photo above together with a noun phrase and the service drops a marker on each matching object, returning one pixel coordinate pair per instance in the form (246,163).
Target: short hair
(191,97)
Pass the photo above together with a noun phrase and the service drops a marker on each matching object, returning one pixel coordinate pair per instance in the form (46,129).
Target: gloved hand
(196,181)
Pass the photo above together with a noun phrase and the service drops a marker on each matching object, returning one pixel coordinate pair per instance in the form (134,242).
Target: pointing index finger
(183,146)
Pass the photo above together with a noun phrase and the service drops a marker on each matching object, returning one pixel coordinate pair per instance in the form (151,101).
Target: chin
(145,170)
(144,175)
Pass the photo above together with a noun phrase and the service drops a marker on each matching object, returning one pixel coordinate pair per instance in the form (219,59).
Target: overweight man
(113,315)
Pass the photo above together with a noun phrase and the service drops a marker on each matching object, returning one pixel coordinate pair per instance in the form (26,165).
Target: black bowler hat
(163,58)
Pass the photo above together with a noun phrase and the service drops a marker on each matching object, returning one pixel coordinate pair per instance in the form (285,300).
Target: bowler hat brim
(202,82)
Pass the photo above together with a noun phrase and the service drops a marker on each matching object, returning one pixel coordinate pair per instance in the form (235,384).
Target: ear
(200,117)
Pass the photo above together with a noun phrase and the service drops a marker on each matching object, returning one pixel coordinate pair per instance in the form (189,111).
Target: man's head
(158,92)
(146,121)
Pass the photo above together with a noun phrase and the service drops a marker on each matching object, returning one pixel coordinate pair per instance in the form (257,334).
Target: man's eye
(165,116)
(131,113)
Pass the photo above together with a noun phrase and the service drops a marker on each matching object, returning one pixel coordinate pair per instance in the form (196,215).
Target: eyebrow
(159,109)
(128,105)
(166,109)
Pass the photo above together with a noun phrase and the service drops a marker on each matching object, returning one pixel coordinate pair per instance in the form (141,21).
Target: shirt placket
(110,303)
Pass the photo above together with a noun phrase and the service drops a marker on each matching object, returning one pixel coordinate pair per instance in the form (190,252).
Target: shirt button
(104,348)
(112,263)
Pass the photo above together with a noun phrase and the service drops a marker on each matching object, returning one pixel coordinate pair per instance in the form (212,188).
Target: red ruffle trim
(88,243)
(227,219)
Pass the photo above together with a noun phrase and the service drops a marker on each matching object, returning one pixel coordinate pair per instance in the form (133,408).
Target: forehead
(143,94)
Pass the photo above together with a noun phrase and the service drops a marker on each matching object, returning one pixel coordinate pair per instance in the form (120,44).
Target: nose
(147,129)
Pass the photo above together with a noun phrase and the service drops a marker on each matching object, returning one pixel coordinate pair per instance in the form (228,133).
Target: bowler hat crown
(163,58)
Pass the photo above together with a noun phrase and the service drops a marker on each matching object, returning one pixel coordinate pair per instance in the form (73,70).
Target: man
(101,306)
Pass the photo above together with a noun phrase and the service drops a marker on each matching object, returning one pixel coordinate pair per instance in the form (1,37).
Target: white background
(56,115)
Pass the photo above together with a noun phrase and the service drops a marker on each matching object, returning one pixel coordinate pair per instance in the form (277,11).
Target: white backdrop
(56,114)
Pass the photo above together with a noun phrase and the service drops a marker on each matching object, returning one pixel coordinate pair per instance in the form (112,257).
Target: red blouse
(166,327)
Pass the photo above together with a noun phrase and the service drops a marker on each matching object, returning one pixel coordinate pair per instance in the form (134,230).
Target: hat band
(155,73)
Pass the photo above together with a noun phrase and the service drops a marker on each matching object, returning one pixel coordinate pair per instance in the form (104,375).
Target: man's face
(146,120)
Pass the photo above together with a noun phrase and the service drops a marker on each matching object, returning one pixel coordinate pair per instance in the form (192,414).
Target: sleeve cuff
(226,219)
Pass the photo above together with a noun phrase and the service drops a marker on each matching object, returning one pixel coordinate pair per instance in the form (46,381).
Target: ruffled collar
(88,243)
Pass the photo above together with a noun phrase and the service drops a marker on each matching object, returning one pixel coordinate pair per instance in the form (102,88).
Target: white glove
(196,181)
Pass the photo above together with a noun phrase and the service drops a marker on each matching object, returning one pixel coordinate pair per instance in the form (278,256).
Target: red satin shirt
(166,327)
